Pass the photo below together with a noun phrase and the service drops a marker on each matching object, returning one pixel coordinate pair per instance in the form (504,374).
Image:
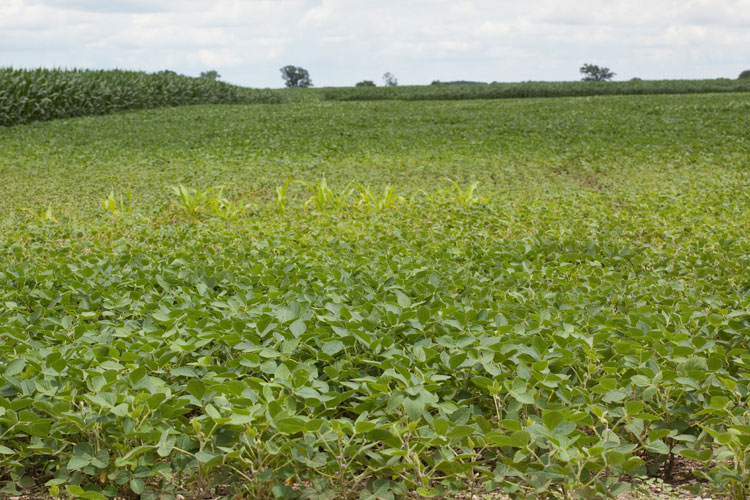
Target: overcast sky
(341,42)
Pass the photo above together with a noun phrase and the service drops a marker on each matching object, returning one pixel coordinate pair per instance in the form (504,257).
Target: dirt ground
(681,479)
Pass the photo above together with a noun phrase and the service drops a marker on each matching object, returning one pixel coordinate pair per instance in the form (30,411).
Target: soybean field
(378,299)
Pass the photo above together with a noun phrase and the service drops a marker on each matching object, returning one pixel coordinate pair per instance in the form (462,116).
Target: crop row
(192,204)
(44,94)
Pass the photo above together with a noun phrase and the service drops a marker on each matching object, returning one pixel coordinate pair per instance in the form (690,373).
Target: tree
(745,75)
(295,77)
(166,72)
(210,75)
(389,79)
(593,73)
(365,83)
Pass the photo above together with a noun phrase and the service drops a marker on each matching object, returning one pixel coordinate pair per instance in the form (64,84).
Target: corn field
(46,94)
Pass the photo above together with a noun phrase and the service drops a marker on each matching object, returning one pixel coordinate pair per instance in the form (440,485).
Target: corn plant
(228,210)
(465,197)
(371,200)
(117,206)
(462,197)
(45,216)
(321,196)
(190,202)
(421,192)
(341,199)
(281,195)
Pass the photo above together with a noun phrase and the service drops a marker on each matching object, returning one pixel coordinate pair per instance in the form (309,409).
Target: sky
(341,42)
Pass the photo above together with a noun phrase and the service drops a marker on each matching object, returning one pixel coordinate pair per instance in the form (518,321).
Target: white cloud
(492,29)
(343,41)
(318,15)
(219,58)
(458,45)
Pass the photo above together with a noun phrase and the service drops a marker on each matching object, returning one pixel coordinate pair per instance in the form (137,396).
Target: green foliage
(464,197)
(729,462)
(45,216)
(594,73)
(191,203)
(586,325)
(322,196)
(118,206)
(47,94)
(371,200)
(295,77)
(365,83)
(745,75)
(282,198)
(210,75)
(228,210)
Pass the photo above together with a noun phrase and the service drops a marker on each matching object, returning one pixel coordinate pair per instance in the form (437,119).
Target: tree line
(299,77)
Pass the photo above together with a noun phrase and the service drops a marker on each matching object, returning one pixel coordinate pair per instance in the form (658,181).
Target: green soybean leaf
(196,389)
(333,347)
(289,425)
(137,486)
(15,367)
(78,492)
(297,327)
(552,418)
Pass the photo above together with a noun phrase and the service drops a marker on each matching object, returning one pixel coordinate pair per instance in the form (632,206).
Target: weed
(465,197)
(45,216)
(282,199)
(190,202)
(388,199)
(118,206)
(322,196)
(227,210)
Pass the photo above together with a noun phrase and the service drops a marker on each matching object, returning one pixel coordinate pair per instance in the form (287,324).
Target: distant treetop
(744,75)
(594,73)
(365,83)
(295,77)
(210,75)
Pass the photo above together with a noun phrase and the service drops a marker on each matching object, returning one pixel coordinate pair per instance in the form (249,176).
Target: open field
(581,318)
